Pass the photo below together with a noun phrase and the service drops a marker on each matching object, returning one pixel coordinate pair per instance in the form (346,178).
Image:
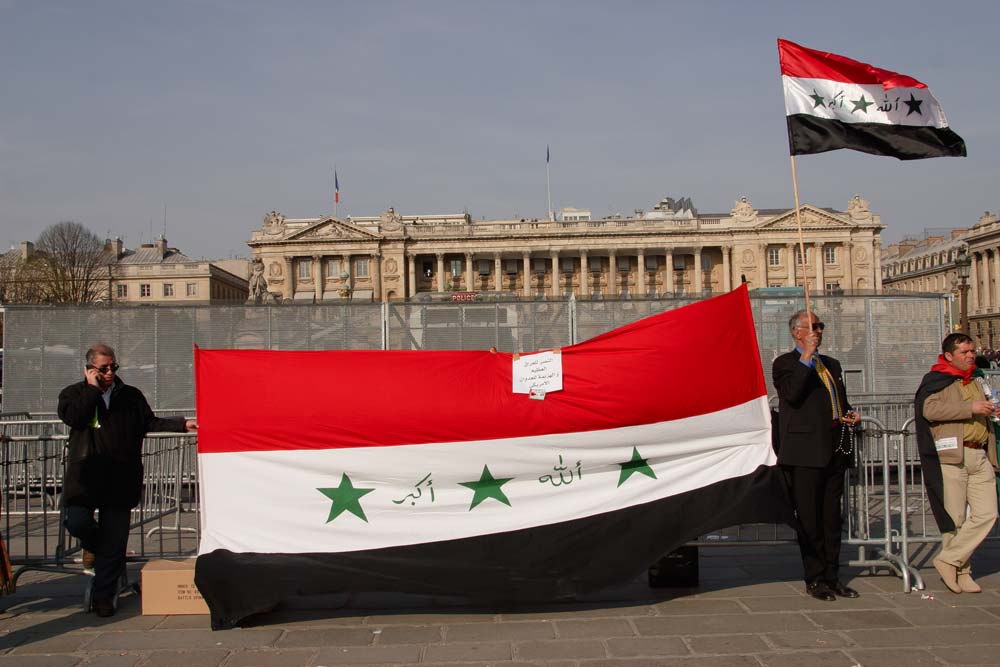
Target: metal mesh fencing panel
(884,343)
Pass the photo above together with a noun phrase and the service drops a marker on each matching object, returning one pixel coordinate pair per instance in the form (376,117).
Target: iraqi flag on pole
(423,472)
(834,102)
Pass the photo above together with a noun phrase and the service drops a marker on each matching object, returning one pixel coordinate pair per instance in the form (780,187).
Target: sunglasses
(113,368)
(816,326)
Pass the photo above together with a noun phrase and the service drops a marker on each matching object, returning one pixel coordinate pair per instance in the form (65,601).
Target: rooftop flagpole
(336,191)
(548,182)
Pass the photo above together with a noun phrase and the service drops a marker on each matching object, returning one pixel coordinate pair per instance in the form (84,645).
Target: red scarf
(944,366)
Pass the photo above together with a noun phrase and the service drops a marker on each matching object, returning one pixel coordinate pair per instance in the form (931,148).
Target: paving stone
(767,604)
(39,660)
(646,647)
(271,658)
(893,657)
(721,624)
(586,629)
(327,637)
(429,619)
(503,663)
(471,652)
(716,644)
(705,661)
(369,655)
(560,648)
(204,658)
(944,615)
(970,655)
(807,640)
(190,639)
(58,643)
(474,632)
(562,612)
(811,658)
(916,600)
(844,620)
(124,659)
(726,590)
(184,622)
(408,634)
(693,606)
(908,637)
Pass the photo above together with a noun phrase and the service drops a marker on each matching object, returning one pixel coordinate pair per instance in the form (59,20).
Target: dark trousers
(817,494)
(107,538)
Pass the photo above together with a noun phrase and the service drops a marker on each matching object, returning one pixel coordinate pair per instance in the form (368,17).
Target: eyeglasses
(112,368)
(816,326)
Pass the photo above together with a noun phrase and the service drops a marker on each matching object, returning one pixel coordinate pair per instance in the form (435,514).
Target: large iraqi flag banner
(423,472)
(833,102)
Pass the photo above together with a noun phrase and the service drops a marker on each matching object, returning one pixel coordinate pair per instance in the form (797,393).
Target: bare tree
(72,264)
(21,278)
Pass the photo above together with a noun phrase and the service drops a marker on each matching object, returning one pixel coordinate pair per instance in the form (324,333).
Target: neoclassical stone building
(668,250)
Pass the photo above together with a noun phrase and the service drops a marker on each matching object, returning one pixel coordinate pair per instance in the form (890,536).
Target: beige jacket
(947,411)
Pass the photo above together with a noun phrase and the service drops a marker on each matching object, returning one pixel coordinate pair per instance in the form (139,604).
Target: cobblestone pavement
(749,610)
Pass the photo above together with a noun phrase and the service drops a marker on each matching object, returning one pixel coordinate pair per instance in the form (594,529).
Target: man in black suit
(814,450)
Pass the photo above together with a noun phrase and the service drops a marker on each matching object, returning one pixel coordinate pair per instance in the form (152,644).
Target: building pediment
(812,217)
(329,229)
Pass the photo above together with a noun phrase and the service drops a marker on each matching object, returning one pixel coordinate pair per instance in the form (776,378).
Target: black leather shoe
(821,591)
(104,608)
(843,591)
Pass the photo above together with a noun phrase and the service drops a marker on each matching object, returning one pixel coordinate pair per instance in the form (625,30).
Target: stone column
(669,258)
(727,270)
(762,264)
(640,260)
(412,287)
(792,264)
(526,261)
(613,278)
(820,280)
(554,287)
(699,279)
(847,259)
(318,277)
(441,284)
(584,275)
(468,272)
(375,271)
(877,263)
(973,285)
(996,278)
(497,275)
(289,277)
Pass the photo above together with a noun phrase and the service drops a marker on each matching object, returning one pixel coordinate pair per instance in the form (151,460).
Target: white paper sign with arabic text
(538,374)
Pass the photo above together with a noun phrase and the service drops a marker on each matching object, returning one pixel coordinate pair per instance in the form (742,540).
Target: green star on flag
(345,499)
(818,100)
(862,104)
(914,104)
(637,464)
(487,487)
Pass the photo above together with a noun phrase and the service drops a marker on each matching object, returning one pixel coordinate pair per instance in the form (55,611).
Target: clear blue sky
(223,111)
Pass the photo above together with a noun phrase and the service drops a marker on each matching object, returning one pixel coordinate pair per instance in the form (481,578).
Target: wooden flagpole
(802,244)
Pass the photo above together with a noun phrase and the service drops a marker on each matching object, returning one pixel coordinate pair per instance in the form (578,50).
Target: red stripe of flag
(801,62)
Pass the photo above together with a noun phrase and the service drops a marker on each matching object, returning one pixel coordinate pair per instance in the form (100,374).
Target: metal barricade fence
(164,525)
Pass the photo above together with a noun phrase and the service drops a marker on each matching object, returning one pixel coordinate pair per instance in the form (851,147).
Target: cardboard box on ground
(168,588)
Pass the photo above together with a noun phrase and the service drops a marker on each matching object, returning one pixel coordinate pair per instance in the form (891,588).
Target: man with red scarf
(957,447)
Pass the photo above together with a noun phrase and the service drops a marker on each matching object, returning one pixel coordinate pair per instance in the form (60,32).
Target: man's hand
(810,344)
(982,408)
(851,418)
(191,426)
(91,375)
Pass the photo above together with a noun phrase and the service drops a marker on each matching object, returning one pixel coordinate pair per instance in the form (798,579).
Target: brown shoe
(968,584)
(104,608)
(949,575)
(89,559)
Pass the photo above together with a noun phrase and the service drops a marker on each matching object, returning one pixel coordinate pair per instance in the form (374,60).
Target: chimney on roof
(27,250)
(906,245)
(161,246)
(955,233)
(114,247)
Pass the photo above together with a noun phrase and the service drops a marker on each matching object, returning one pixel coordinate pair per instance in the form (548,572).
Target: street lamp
(963,264)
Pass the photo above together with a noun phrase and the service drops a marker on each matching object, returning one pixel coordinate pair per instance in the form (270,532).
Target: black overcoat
(104,463)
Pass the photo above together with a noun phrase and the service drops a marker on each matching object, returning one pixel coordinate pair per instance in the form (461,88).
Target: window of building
(678,263)
(539,266)
(305,268)
(798,255)
(428,269)
(706,263)
(145,289)
(833,286)
(484,267)
(456,268)
(361,267)
(774,256)
(651,264)
(510,267)
(567,264)
(191,289)
(595,264)
(624,264)
(333,267)
(775,285)
(168,289)
(122,291)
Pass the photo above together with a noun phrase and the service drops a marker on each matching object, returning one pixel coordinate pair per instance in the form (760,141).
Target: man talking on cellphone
(108,421)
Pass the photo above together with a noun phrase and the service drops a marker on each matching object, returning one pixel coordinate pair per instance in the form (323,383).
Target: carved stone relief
(860,255)
(274,223)
(390,266)
(858,208)
(748,257)
(274,269)
(743,211)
